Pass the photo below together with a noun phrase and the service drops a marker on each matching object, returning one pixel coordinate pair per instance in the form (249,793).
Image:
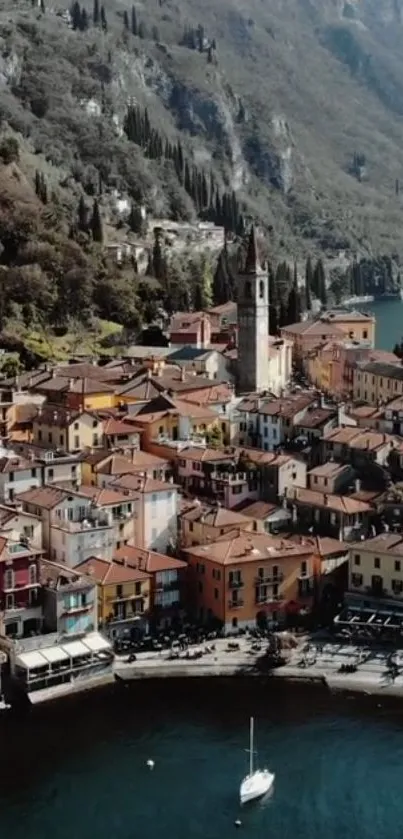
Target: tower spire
(252,261)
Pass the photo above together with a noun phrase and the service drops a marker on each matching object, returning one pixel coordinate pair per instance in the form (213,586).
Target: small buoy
(238,823)
(150,764)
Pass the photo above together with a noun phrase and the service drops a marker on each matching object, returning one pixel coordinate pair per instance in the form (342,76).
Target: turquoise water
(82,771)
(389,322)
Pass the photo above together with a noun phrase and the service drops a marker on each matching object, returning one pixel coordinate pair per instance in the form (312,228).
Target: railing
(269,578)
(235,604)
(235,584)
(274,598)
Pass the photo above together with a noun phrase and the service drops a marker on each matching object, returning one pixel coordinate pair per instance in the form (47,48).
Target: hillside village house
(331,477)
(20,608)
(101,468)
(17,474)
(269,423)
(69,600)
(52,466)
(355,326)
(330,367)
(156,510)
(70,431)
(168,584)
(17,526)
(338,516)
(244,579)
(359,447)
(77,394)
(376,382)
(123,595)
(203,523)
(73,528)
(164,418)
(376,573)
(267,517)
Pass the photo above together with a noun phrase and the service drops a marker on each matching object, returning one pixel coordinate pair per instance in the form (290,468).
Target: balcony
(272,579)
(274,598)
(174,584)
(235,584)
(235,604)
(75,610)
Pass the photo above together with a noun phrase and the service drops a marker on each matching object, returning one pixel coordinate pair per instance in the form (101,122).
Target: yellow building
(376,569)
(202,523)
(60,428)
(78,394)
(176,419)
(356,326)
(377,382)
(123,593)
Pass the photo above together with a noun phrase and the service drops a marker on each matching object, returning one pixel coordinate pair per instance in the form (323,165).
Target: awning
(31,660)
(53,654)
(75,649)
(95,642)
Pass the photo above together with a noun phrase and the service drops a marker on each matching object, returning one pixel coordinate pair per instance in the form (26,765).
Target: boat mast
(251,748)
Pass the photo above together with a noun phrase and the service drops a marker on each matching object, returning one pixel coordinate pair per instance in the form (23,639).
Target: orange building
(246,578)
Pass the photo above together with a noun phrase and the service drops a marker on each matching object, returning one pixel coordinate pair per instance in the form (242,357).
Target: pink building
(21,612)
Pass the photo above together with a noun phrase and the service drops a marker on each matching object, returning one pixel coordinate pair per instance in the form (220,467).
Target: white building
(156,523)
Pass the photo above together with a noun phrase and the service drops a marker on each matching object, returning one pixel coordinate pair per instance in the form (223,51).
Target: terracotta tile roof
(104,497)
(256,509)
(179,408)
(15,464)
(223,308)
(316,328)
(215,516)
(110,573)
(359,438)
(58,573)
(205,455)
(86,371)
(26,381)
(337,503)
(142,389)
(347,316)
(286,407)
(241,547)
(138,483)
(316,417)
(118,427)
(377,368)
(325,546)
(49,414)
(86,386)
(383,543)
(46,497)
(330,470)
(149,561)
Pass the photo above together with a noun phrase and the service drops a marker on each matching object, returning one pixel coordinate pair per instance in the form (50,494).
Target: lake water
(79,770)
(389,322)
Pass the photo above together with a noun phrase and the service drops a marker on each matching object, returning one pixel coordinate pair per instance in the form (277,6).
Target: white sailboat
(258,781)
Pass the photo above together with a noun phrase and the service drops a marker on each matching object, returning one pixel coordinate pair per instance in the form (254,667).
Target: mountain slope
(296,93)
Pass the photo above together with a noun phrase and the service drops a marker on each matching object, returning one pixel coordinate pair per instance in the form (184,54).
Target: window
(32,575)
(315,479)
(39,436)
(191,526)
(303,568)
(261,289)
(200,588)
(365,333)
(50,474)
(11,477)
(248,290)
(137,588)
(95,440)
(76,441)
(95,423)
(50,438)
(33,473)
(377,562)
(119,591)
(76,426)
(9,578)
(9,601)
(357,559)
(216,594)
(397,564)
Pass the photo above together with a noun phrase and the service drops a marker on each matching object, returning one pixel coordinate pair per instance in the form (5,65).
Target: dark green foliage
(9,150)
(135,220)
(126,19)
(82,216)
(142,31)
(95,13)
(103,19)
(134,22)
(319,282)
(96,223)
(308,283)
(41,187)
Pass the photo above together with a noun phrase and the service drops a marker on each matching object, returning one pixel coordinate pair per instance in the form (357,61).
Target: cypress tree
(319,281)
(76,16)
(84,20)
(134,21)
(37,182)
(82,215)
(96,224)
(95,12)
(103,19)
(155,33)
(125,19)
(142,32)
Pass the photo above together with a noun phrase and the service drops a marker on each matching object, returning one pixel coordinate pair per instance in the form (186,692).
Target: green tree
(134,22)
(95,13)
(96,223)
(9,150)
(103,19)
(82,215)
(125,19)
(319,282)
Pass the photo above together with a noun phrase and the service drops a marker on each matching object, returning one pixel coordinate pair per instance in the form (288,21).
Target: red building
(20,606)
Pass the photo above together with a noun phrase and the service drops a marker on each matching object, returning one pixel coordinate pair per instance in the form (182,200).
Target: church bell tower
(253,322)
